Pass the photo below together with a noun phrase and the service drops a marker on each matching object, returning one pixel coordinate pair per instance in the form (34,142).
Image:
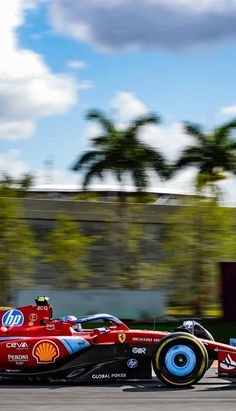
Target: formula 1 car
(34,346)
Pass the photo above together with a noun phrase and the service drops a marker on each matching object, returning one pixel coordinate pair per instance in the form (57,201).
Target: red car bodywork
(31,340)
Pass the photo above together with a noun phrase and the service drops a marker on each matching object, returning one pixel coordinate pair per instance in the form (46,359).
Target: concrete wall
(35,209)
(135,305)
(96,219)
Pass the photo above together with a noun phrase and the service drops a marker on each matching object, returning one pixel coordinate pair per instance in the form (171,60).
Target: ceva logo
(13,318)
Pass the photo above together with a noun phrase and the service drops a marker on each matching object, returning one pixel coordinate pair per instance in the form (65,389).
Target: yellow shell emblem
(45,352)
(122,338)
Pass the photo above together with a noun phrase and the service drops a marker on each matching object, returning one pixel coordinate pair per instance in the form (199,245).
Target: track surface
(211,393)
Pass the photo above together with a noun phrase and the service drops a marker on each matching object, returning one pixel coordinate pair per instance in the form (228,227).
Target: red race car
(34,346)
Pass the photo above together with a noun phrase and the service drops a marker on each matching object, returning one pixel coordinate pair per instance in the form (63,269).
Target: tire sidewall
(164,347)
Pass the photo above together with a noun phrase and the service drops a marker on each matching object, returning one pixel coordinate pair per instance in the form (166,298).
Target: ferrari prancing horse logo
(122,338)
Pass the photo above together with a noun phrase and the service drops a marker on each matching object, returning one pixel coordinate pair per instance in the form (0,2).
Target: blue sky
(61,58)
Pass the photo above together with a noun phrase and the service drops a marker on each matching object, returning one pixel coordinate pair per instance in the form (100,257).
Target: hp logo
(13,318)
(132,363)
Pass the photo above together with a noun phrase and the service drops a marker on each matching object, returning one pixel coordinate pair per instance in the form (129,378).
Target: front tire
(180,360)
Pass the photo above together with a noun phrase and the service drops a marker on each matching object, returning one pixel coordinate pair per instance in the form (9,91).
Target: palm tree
(214,154)
(121,152)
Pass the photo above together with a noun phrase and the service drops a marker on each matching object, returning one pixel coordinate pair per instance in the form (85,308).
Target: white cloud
(126,106)
(28,88)
(170,140)
(56,178)
(145,24)
(12,164)
(77,64)
(228,111)
(86,85)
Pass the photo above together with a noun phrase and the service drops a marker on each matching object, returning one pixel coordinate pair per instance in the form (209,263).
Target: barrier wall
(124,304)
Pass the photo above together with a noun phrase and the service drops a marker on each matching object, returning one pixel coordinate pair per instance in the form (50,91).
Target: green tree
(198,236)
(18,249)
(132,248)
(11,187)
(68,253)
(121,152)
(214,154)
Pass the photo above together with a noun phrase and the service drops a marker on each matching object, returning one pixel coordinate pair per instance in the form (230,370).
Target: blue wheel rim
(180,360)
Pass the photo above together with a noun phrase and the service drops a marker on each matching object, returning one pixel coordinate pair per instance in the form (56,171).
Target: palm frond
(155,160)
(132,130)
(139,176)
(86,158)
(98,116)
(190,156)
(195,131)
(96,170)
(221,133)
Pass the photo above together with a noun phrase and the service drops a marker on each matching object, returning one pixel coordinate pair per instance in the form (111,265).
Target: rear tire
(180,360)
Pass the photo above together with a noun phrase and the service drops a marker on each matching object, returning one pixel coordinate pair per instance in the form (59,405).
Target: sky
(61,58)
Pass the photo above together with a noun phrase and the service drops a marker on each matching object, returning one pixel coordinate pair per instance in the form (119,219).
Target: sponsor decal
(145,339)
(45,352)
(108,376)
(139,350)
(132,363)
(228,363)
(42,308)
(33,317)
(17,345)
(13,318)
(50,327)
(122,338)
(18,357)
(220,350)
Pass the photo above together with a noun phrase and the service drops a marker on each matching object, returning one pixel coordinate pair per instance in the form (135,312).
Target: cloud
(126,106)
(86,85)
(12,164)
(170,140)
(29,90)
(228,111)
(77,64)
(145,24)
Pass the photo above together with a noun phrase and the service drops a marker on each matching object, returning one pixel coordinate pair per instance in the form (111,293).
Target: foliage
(87,196)
(130,244)
(10,187)
(142,198)
(198,236)
(121,152)
(68,253)
(18,249)
(214,154)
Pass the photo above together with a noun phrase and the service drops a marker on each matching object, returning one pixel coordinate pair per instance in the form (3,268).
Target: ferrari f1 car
(34,346)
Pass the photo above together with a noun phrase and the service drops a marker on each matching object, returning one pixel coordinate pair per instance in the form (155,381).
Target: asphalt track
(211,393)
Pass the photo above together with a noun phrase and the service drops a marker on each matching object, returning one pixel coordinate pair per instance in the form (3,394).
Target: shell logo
(45,352)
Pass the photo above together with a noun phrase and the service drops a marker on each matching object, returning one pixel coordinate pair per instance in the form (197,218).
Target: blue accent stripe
(14,338)
(74,344)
